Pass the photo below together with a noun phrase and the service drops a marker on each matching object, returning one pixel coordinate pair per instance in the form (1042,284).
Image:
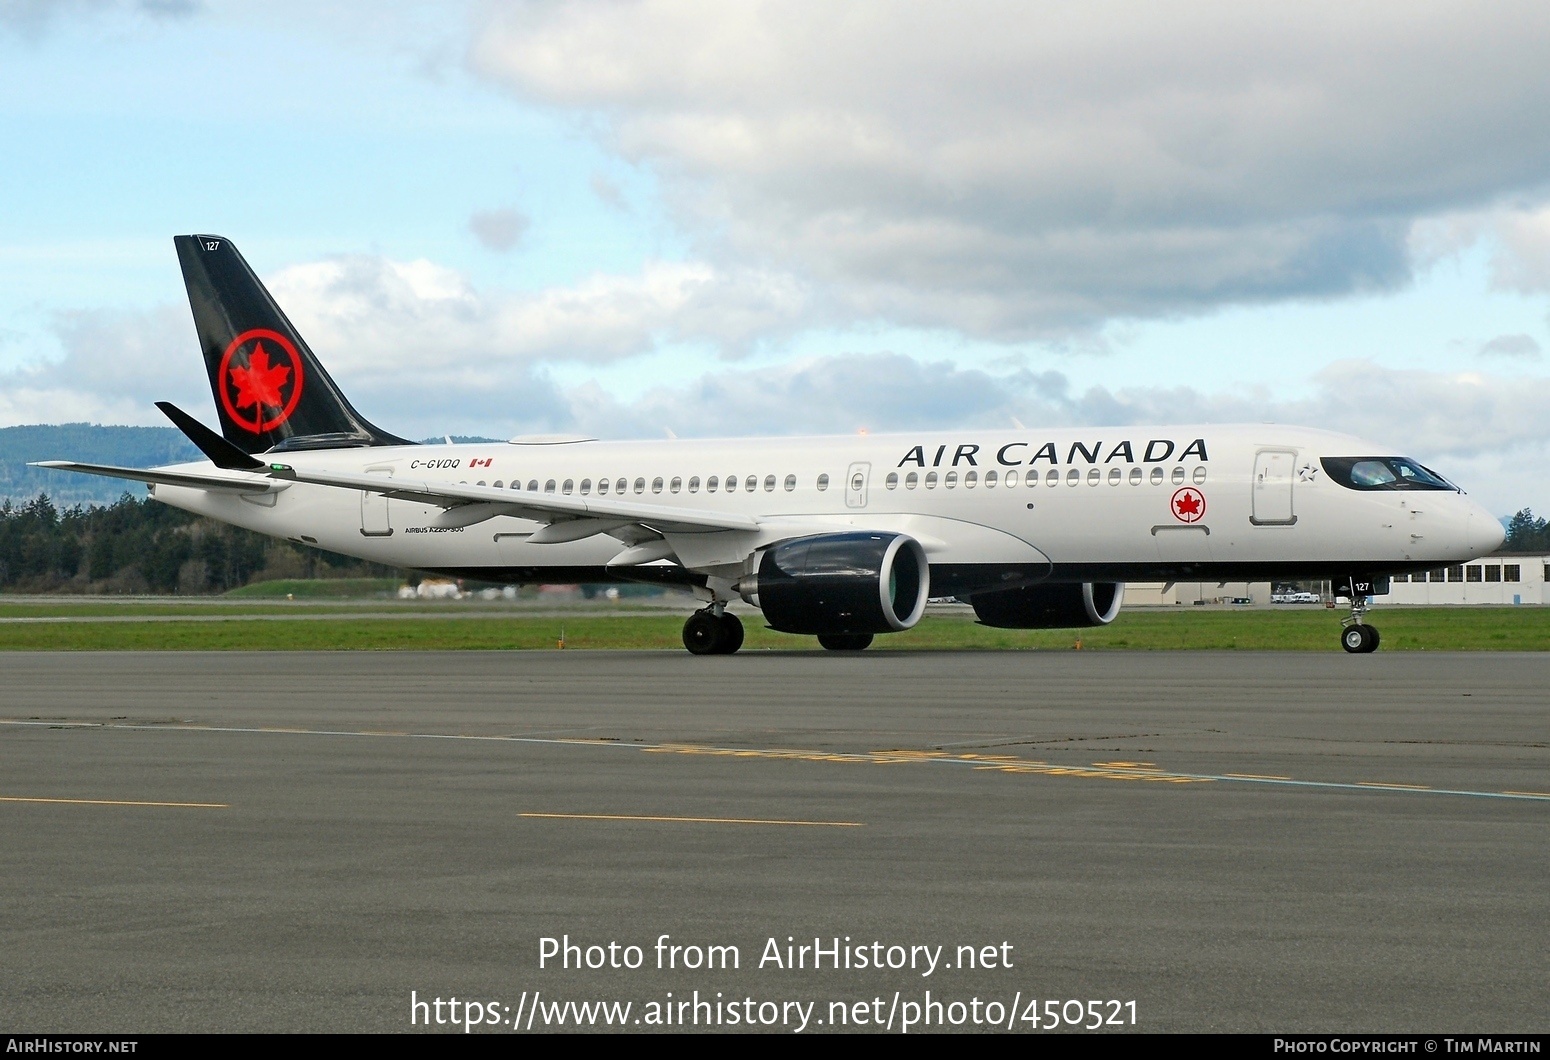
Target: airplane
(842,538)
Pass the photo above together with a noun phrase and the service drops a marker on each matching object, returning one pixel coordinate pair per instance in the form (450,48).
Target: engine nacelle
(1066,606)
(858,582)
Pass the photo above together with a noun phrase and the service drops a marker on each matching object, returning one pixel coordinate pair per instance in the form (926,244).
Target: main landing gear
(1357,637)
(713,631)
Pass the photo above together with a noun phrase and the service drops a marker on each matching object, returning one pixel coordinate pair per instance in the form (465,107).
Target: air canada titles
(1018,454)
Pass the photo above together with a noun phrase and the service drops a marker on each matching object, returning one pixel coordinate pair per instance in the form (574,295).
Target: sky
(632,217)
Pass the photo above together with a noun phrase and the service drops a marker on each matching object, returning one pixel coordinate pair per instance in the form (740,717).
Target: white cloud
(115,366)
(1009,168)
(499,230)
(1522,259)
(1524,347)
(31,18)
(373,311)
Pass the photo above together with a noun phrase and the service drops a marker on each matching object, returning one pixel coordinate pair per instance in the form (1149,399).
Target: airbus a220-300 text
(839,537)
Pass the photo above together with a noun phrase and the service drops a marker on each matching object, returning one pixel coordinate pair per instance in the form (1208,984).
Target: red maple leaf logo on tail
(256,394)
(258,384)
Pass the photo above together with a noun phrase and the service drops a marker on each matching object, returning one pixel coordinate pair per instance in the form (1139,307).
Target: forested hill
(89,443)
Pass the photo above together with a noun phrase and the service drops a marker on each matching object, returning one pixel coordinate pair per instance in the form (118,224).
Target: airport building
(1169,594)
(1505,578)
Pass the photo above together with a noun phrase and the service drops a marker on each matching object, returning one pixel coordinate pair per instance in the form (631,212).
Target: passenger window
(1178,475)
(602,486)
(586,486)
(769,483)
(751,483)
(911,480)
(791,483)
(970,479)
(930,480)
(499,484)
(549,486)
(656,485)
(675,485)
(1157,476)
(711,483)
(570,485)
(731,483)
(893,480)
(1135,476)
(1073,477)
(1200,475)
(1052,478)
(1094,476)
(640,485)
(532,486)
(823,483)
(621,485)
(1115,476)
(694,484)
(990,479)
(950,479)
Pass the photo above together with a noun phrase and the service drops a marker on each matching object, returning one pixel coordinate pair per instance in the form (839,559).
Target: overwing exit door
(374,508)
(855,485)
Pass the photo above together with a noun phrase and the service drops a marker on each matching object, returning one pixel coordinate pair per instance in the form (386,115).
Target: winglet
(221,452)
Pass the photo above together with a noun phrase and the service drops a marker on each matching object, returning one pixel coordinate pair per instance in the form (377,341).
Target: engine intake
(841,583)
(1050,606)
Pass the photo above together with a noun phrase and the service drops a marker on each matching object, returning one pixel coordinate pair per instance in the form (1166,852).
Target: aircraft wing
(235,483)
(467,505)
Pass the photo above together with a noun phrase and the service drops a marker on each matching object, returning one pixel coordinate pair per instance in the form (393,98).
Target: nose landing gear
(1357,637)
(713,631)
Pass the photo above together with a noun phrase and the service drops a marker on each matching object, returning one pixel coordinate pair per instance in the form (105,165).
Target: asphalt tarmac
(1169,841)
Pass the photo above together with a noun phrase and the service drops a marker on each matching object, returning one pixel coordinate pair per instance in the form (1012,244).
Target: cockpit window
(1382,473)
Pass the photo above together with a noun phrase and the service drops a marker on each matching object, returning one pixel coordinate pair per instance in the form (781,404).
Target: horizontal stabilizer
(212,483)
(221,452)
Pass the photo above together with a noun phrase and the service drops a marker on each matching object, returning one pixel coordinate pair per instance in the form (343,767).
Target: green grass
(1404,629)
(318,588)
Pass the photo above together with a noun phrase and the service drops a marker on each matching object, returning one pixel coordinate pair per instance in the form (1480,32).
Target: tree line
(1527,534)
(140,546)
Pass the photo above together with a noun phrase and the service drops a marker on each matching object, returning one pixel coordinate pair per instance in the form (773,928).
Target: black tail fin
(270,391)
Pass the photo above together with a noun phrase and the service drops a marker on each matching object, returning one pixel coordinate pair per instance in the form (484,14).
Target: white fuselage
(1068,505)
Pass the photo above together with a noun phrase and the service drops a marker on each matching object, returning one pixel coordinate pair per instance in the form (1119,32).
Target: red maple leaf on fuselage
(1189,504)
(259,384)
